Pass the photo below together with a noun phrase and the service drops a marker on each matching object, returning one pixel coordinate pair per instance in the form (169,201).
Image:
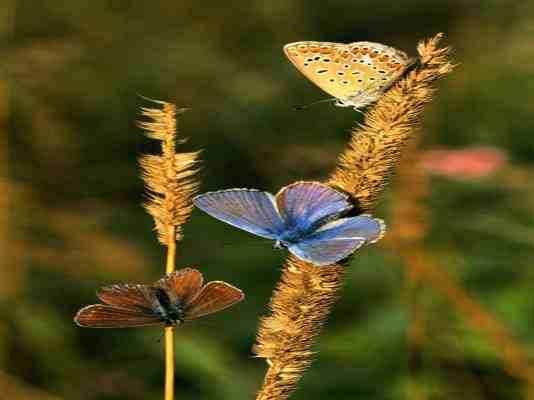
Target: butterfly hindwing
(183,285)
(251,210)
(338,239)
(214,296)
(304,204)
(107,316)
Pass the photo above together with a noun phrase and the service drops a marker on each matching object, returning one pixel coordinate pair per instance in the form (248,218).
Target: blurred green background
(72,220)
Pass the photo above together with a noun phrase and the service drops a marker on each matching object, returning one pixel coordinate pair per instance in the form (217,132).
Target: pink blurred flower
(469,163)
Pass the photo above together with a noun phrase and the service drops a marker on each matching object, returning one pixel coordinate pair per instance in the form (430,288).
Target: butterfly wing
(320,63)
(107,316)
(253,211)
(126,296)
(338,239)
(214,296)
(360,69)
(305,204)
(182,285)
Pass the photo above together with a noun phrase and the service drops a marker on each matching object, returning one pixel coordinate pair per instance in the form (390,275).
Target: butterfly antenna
(305,106)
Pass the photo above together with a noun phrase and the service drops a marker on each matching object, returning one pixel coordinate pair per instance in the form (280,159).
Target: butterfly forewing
(251,210)
(214,296)
(304,204)
(182,285)
(106,316)
(320,63)
(355,73)
(126,296)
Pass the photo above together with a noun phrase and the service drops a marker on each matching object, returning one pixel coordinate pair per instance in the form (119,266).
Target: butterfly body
(288,238)
(177,298)
(293,234)
(356,74)
(305,217)
(170,312)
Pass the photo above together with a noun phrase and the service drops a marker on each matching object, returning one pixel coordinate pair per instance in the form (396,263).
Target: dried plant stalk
(300,306)
(304,296)
(170,180)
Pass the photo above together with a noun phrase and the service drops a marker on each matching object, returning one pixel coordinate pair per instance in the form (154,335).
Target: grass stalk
(169,363)
(171,183)
(169,330)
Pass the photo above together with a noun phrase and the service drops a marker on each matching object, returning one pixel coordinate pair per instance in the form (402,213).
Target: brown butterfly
(179,297)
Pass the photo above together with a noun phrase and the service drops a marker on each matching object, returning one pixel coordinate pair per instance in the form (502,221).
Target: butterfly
(305,217)
(178,297)
(356,74)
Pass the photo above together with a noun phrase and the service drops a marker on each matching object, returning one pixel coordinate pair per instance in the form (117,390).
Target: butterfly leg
(278,245)
(340,103)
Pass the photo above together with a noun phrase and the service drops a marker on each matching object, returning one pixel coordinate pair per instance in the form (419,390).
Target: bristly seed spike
(169,177)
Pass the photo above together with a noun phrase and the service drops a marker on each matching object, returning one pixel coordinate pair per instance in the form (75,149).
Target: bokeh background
(71,215)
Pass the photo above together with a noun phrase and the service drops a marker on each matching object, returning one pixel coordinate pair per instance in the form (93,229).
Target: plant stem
(169,330)
(169,363)
(171,182)
(171,250)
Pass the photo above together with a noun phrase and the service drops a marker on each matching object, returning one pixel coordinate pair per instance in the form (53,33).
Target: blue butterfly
(305,217)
